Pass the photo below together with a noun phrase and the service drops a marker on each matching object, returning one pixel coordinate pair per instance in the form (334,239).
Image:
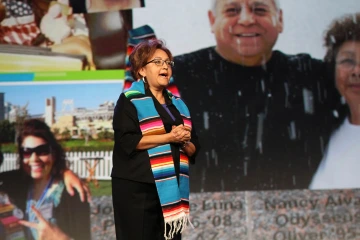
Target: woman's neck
(158,94)
(39,187)
(354,113)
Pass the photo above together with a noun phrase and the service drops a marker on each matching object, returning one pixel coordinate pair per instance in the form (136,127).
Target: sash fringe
(176,226)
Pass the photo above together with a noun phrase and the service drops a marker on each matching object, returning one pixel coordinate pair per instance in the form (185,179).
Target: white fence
(79,162)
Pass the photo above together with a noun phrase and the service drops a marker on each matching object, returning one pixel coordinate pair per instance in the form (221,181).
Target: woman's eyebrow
(347,52)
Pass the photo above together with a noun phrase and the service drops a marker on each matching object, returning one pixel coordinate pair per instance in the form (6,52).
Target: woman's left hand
(181,133)
(46,231)
(71,180)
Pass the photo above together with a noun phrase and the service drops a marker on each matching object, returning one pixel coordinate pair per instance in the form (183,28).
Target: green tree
(56,131)
(21,115)
(105,135)
(7,131)
(65,135)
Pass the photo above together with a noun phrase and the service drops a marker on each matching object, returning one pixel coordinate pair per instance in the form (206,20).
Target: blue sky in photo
(87,95)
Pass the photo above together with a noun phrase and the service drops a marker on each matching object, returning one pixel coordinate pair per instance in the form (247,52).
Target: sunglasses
(41,150)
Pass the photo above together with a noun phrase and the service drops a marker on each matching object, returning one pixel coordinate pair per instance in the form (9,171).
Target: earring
(143,78)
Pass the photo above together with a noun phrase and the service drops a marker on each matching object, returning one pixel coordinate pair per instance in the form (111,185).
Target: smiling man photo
(263,116)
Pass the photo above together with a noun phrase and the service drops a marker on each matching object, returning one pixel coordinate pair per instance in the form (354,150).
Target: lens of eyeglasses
(169,63)
(41,150)
(347,64)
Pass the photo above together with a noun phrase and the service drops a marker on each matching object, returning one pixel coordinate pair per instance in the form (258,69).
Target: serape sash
(174,197)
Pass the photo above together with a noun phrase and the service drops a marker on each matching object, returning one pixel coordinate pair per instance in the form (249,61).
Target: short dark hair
(38,128)
(142,53)
(341,30)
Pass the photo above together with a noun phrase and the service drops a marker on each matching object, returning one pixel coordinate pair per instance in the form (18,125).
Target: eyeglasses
(160,62)
(347,64)
(41,150)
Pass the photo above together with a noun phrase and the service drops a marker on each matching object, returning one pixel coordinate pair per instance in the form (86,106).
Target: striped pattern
(19,25)
(137,35)
(19,34)
(150,123)
(152,126)
(174,196)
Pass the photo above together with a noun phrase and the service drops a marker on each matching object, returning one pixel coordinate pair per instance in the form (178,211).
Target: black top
(260,128)
(15,184)
(73,216)
(78,6)
(132,164)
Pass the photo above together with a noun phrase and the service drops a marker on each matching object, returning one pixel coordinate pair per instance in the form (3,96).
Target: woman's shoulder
(60,195)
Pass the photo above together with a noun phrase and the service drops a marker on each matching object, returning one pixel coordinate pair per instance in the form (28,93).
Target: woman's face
(158,70)
(347,72)
(37,158)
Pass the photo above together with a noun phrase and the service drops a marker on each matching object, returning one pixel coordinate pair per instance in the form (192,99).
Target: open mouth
(164,74)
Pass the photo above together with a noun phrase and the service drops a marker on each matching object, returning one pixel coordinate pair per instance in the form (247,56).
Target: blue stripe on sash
(184,169)
(184,187)
(180,105)
(167,197)
(159,149)
(163,173)
(145,107)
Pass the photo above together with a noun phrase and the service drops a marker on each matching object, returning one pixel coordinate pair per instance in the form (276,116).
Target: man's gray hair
(214,3)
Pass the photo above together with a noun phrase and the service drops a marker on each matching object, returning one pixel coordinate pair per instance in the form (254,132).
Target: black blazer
(132,164)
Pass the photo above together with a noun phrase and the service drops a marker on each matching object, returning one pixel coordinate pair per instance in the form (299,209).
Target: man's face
(248,28)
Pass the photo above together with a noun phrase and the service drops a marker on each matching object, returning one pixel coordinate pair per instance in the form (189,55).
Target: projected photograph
(109,5)
(72,122)
(75,118)
(261,94)
(49,36)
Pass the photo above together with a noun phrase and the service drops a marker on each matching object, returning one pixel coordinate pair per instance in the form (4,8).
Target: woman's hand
(46,231)
(183,136)
(179,134)
(71,181)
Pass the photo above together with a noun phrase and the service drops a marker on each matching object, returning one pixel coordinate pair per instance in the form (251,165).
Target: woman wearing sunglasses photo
(50,211)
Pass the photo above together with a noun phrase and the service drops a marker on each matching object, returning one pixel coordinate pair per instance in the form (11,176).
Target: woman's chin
(38,175)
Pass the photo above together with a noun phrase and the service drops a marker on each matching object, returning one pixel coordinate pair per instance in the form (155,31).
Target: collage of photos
(273,89)
(67,125)
(42,35)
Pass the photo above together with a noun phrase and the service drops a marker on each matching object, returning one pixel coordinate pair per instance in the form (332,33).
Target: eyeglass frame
(170,64)
(342,63)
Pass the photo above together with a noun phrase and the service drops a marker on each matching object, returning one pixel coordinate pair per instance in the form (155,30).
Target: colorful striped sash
(174,197)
